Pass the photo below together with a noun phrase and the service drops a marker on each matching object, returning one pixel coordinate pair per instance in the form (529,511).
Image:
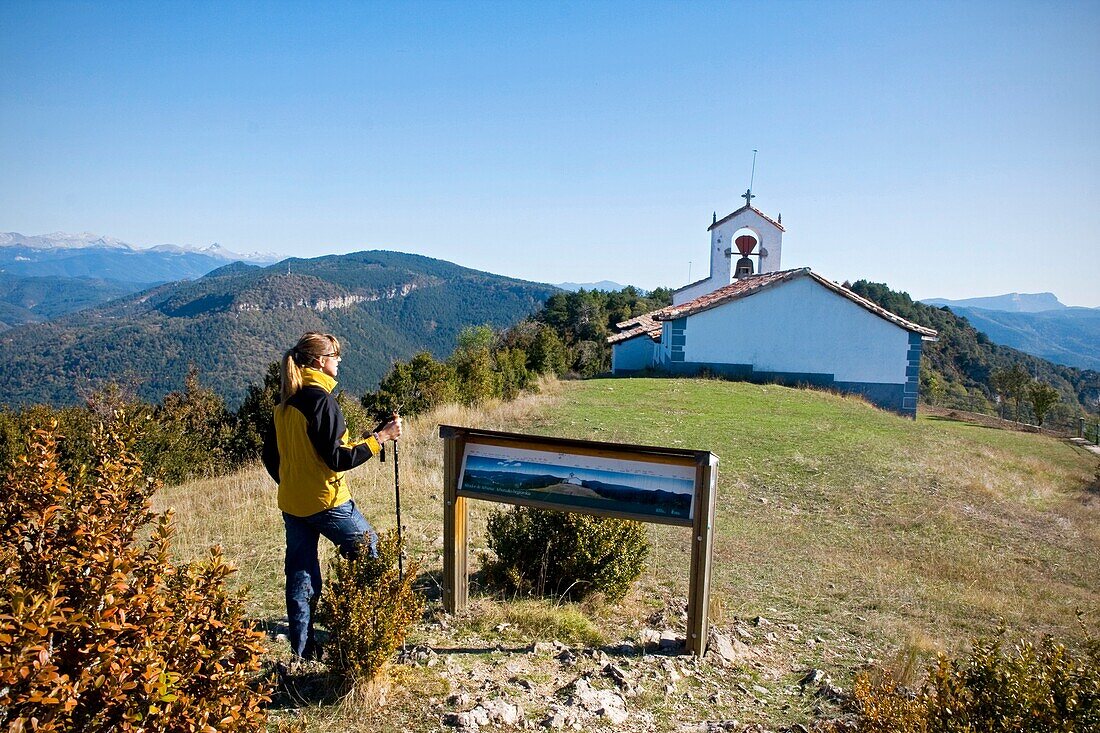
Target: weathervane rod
(747,195)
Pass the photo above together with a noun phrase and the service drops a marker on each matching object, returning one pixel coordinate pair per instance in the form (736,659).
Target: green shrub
(12,440)
(547,353)
(476,379)
(190,434)
(550,553)
(511,364)
(74,423)
(1031,687)
(412,388)
(358,422)
(368,609)
(543,349)
(100,631)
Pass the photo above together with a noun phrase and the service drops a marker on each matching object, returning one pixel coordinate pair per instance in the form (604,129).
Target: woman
(307,456)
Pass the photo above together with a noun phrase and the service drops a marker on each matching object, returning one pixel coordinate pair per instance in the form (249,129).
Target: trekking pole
(397,497)
(400,541)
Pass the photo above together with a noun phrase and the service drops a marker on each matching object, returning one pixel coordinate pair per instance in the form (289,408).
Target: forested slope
(236,320)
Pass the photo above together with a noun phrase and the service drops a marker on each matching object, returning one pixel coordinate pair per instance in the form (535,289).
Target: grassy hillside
(859,536)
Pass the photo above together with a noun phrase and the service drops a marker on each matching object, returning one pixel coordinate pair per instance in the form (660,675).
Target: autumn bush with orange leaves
(99,629)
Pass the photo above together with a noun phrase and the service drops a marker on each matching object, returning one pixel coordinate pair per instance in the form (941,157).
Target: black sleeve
(325,428)
(270,452)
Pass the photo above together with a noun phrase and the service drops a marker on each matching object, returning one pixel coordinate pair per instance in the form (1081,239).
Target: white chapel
(751,320)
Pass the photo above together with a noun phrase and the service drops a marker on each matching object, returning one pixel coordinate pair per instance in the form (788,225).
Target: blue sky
(947,149)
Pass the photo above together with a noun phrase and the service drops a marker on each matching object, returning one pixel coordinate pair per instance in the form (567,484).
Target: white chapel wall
(700,288)
(800,326)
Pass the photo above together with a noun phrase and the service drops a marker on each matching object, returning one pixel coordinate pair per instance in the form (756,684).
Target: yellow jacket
(310,450)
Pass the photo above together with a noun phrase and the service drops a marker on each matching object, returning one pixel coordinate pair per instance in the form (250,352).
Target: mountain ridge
(89,255)
(1008,302)
(1035,323)
(235,321)
(1070,336)
(90,240)
(608,285)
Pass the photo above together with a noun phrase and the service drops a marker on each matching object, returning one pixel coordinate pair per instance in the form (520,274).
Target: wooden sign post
(643,483)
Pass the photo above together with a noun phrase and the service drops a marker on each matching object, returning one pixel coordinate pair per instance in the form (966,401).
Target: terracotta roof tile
(736,289)
(749,285)
(643,324)
(727,217)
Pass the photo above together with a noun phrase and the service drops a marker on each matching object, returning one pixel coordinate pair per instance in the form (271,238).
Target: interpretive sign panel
(645,483)
(636,488)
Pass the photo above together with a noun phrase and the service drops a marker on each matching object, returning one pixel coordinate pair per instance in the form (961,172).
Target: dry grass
(239,512)
(863,527)
(885,539)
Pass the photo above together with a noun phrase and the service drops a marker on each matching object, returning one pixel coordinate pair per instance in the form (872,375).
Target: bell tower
(735,240)
(746,242)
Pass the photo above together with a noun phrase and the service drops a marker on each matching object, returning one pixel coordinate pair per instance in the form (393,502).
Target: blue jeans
(346,528)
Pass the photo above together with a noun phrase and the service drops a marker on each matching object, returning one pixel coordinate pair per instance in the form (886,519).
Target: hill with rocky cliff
(237,319)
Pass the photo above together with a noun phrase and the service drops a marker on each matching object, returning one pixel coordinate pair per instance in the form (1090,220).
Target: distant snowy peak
(216,250)
(88,240)
(61,240)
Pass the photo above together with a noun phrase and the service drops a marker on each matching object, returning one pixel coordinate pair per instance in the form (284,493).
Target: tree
(582,321)
(193,430)
(473,365)
(1011,384)
(931,385)
(1042,397)
(412,388)
(511,365)
(591,358)
(254,416)
(545,351)
(547,354)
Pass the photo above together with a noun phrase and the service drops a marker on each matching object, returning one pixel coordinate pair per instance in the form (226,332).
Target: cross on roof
(747,195)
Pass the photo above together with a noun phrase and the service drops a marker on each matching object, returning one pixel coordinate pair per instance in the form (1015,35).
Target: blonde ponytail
(310,347)
(291,377)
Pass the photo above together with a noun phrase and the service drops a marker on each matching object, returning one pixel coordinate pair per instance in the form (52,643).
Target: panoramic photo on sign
(645,488)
